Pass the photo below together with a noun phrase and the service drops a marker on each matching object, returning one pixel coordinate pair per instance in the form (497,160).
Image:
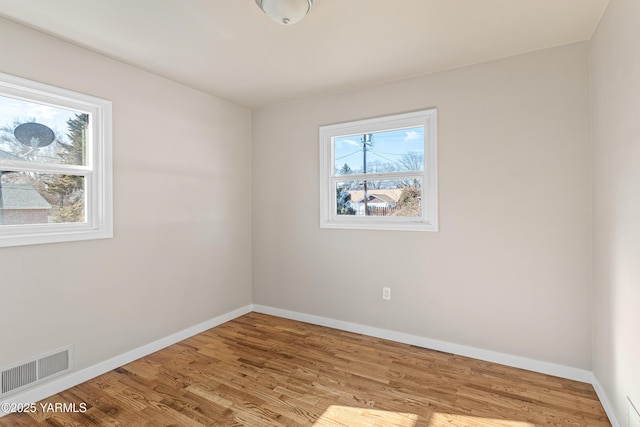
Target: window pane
(386,151)
(41,133)
(37,198)
(398,198)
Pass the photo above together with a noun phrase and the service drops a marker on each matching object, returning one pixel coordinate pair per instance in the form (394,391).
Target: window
(55,164)
(380,173)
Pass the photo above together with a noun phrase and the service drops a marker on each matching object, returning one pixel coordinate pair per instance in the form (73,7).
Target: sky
(387,147)
(12,109)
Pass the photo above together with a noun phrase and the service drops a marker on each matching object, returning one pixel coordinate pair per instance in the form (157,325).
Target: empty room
(410,213)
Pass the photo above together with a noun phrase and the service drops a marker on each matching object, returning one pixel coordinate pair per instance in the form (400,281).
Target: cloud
(43,112)
(412,135)
(351,142)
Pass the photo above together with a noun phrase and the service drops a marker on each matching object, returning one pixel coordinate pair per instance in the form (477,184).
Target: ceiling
(230,49)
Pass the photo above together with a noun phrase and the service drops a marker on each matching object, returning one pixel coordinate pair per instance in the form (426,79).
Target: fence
(378,211)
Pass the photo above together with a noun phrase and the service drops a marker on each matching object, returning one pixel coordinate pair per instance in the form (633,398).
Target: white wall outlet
(386,293)
(634,416)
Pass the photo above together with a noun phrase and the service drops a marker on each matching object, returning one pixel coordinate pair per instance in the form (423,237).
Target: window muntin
(380,173)
(55,164)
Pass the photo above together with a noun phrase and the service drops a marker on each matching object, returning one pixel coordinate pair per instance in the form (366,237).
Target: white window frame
(97,171)
(429,176)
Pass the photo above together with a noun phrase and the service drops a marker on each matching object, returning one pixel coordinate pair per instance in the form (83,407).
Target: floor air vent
(34,371)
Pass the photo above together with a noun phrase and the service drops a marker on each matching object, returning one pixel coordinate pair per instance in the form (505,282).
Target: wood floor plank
(265,371)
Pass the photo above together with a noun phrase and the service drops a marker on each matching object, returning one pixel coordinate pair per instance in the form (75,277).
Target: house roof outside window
(387,195)
(22,196)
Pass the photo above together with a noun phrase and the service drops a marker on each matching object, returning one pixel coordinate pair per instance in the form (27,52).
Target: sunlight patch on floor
(448,420)
(337,415)
(345,415)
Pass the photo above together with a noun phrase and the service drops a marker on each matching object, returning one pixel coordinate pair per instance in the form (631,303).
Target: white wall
(181,254)
(615,67)
(510,269)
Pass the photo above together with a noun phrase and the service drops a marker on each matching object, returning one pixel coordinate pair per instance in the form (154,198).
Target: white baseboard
(489,356)
(606,402)
(62,383)
(74,378)
(447,347)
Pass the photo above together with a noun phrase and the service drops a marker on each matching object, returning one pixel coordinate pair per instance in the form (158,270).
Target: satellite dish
(34,135)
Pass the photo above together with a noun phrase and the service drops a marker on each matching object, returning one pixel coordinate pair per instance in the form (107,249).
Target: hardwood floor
(259,370)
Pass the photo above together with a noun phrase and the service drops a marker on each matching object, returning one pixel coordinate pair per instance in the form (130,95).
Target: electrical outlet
(386,293)
(634,416)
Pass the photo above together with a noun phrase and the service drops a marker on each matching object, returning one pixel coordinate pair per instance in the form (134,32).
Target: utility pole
(367,142)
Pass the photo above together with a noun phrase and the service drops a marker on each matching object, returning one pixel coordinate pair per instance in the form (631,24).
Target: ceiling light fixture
(286,12)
